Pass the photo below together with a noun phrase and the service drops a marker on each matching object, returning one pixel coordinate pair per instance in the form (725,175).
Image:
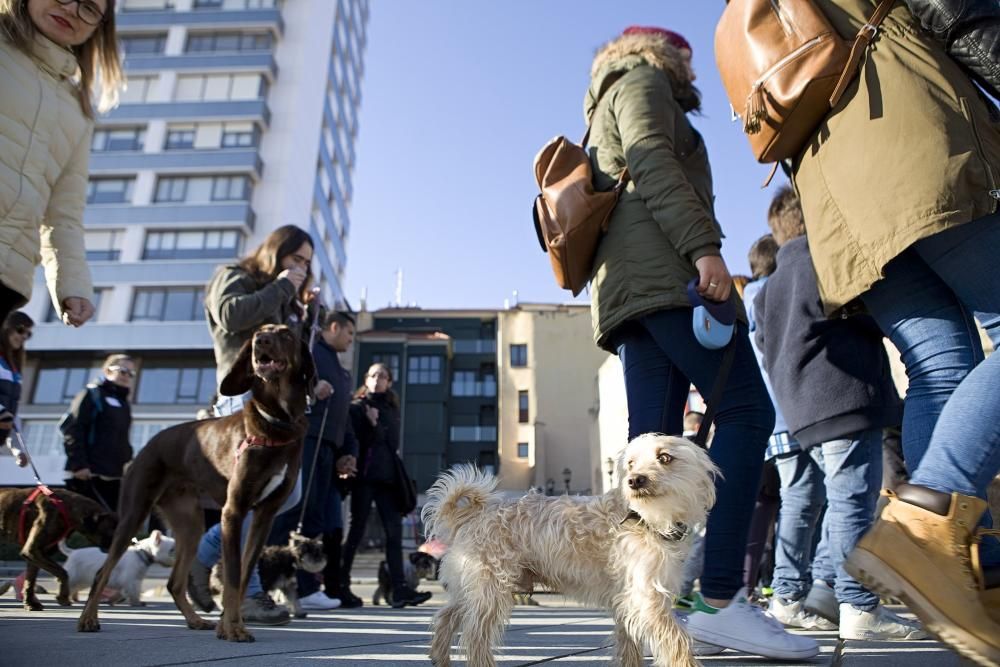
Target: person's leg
(107,491)
(314,520)
(392,524)
(210,552)
(802,496)
(361,503)
(762,524)
(743,422)
(333,539)
(853,469)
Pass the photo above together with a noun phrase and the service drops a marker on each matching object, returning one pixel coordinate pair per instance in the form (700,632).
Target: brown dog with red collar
(37,521)
(248,460)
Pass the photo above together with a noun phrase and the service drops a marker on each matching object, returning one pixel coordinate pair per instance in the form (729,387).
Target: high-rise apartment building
(240,116)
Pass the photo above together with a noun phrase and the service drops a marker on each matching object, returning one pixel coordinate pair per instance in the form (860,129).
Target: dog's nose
(637,481)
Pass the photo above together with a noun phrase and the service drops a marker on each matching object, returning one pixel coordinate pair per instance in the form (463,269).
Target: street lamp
(550,487)
(567,475)
(610,463)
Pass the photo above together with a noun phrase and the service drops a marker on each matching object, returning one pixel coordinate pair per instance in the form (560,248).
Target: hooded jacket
(44,149)
(912,149)
(109,450)
(665,218)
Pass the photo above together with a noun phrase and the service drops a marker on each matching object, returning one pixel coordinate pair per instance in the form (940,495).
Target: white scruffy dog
(623,551)
(82,565)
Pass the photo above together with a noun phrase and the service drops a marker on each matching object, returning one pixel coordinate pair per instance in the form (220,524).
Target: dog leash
(312,469)
(40,489)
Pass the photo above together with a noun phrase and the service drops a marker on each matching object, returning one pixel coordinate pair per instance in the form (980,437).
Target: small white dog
(82,565)
(623,551)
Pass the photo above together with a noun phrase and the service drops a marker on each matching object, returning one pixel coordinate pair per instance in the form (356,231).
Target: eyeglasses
(23,331)
(127,372)
(87,11)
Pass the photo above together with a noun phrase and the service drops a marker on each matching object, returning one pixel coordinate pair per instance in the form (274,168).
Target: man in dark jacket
(831,379)
(96,433)
(330,430)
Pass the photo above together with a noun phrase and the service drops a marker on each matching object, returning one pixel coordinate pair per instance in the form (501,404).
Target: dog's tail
(65,549)
(457,495)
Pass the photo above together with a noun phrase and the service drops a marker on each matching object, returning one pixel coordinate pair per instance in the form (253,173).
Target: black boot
(405,596)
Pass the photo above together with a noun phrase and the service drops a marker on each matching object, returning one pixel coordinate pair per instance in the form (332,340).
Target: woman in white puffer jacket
(54,54)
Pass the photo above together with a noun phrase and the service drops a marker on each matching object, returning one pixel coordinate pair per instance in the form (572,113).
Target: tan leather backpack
(570,215)
(785,67)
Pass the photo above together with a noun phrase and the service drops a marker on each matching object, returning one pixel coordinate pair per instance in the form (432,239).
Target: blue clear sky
(457,99)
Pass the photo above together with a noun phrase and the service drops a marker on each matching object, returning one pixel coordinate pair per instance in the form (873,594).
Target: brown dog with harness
(247,461)
(37,519)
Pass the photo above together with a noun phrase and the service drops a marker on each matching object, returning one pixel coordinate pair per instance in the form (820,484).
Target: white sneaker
(877,625)
(319,601)
(701,649)
(822,602)
(746,627)
(793,614)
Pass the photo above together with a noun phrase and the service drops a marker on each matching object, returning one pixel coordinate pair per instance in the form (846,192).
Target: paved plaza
(556,632)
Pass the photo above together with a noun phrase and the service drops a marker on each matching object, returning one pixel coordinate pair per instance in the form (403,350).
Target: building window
(424,370)
(518,355)
(202,189)
(182,385)
(59,385)
(174,304)
(470,383)
(239,135)
(230,188)
(200,244)
(147,5)
(220,87)
(52,316)
(109,190)
(208,4)
(103,245)
(522,450)
(522,407)
(121,139)
(143,44)
(179,138)
(228,41)
(390,360)
(139,89)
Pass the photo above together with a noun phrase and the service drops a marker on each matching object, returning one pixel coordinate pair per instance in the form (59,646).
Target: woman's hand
(294,275)
(83,474)
(372,413)
(347,466)
(76,311)
(714,281)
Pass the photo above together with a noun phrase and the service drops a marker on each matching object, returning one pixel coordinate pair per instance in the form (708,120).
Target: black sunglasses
(86,11)
(23,331)
(128,372)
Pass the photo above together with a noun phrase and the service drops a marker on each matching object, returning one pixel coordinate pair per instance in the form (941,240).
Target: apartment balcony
(174,215)
(251,110)
(132,336)
(137,21)
(260,61)
(213,161)
(466,433)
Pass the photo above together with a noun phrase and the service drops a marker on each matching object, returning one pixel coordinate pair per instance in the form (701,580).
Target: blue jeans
(661,358)
(845,474)
(925,305)
(210,546)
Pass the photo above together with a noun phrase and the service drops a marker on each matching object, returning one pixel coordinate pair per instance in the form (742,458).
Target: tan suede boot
(924,551)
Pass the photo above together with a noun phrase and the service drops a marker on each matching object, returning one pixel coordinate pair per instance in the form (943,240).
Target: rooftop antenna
(399,287)
(516,303)
(364,299)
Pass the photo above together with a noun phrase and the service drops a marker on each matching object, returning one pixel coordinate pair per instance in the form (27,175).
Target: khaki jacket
(911,150)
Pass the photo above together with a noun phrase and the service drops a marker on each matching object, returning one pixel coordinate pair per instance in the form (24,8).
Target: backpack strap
(609,81)
(95,398)
(862,41)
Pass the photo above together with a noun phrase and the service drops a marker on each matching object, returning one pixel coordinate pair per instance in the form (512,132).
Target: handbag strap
(862,41)
(721,380)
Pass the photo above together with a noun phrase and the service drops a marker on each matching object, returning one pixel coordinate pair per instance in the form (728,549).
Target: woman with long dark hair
(54,56)
(14,334)
(375,418)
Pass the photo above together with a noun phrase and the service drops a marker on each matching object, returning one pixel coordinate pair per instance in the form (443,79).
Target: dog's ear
(157,537)
(239,379)
(414,557)
(307,367)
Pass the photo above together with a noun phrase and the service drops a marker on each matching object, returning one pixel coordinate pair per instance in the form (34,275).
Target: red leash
(22,518)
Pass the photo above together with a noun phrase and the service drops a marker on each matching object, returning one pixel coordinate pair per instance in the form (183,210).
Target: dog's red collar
(22,519)
(260,441)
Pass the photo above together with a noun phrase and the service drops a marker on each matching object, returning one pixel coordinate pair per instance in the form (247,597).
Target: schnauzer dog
(277,567)
(623,551)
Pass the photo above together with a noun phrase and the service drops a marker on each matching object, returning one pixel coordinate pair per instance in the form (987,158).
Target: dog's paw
(88,624)
(202,624)
(233,633)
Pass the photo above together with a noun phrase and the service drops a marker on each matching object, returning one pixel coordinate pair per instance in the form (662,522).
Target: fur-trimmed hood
(627,52)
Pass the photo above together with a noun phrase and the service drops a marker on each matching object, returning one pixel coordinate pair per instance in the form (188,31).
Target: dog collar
(147,558)
(272,420)
(675,534)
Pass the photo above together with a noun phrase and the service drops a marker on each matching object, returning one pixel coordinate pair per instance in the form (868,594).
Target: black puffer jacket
(109,450)
(971,31)
(378,443)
